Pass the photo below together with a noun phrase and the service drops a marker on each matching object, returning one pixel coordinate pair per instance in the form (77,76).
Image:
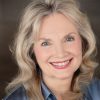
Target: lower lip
(61,67)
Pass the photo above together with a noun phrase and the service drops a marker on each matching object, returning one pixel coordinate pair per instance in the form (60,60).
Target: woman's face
(58,49)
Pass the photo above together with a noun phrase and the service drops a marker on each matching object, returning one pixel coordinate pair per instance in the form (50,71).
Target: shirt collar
(46,92)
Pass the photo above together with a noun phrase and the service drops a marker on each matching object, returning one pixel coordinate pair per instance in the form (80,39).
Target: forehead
(56,23)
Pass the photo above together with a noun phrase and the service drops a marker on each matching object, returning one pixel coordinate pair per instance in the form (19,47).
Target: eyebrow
(69,34)
(47,39)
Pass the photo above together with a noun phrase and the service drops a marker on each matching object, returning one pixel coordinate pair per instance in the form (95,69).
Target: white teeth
(60,64)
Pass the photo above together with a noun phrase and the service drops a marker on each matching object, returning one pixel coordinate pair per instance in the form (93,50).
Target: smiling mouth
(62,64)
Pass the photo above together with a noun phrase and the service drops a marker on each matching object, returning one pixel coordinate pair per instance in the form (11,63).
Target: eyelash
(45,43)
(70,38)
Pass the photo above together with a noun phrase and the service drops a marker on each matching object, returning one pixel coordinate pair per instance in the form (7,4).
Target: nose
(60,51)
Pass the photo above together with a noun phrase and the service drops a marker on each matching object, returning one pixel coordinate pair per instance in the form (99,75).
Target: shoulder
(17,93)
(93,90)
(94,85)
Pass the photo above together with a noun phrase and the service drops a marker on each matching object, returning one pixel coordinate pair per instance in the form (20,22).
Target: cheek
(78,52)
(41,54)
(76,48)
(38,53)
(78,45)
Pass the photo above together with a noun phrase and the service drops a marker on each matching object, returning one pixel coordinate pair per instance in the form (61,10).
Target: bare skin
(58,51)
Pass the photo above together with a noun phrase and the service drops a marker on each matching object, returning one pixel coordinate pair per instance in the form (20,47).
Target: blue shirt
(48,95)
(92,92)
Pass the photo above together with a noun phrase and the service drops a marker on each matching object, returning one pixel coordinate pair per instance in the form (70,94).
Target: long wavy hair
(29,74)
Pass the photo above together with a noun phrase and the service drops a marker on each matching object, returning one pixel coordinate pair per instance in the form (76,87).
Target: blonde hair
(28,74)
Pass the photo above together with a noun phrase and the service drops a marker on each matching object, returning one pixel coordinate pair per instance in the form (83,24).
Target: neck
(58,86)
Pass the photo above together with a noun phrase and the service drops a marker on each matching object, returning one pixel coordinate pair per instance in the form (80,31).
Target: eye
(45,43)
(70,38)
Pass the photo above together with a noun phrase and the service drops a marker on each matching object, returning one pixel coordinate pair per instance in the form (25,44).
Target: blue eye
(45,43)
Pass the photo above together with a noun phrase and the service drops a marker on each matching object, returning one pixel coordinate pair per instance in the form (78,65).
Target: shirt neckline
(46,92)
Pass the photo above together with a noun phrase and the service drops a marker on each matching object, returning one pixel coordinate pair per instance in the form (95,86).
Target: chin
(65,76)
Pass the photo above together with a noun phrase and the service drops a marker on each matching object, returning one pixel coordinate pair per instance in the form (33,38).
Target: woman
(54,49)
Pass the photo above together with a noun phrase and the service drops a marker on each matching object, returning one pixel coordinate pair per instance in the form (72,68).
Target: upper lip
(61,61)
